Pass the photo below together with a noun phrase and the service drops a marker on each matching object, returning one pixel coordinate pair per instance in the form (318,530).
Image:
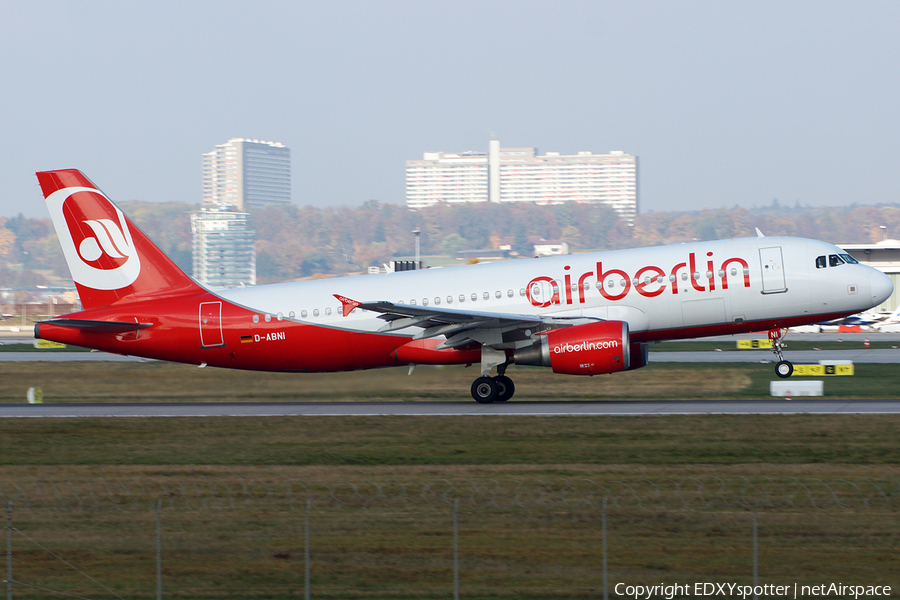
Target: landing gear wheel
(784,369)
(485,390)
(507,388)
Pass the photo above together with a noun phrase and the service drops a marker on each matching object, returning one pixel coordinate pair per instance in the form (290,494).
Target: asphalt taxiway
(462,408)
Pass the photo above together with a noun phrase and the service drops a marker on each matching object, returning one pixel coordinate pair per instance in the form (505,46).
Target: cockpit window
(834,260)
(849,259)
(820,262)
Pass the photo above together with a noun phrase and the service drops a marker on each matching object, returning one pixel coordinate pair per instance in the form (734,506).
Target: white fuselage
(666,291)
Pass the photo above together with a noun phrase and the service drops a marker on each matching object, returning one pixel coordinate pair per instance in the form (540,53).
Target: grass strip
(156,381)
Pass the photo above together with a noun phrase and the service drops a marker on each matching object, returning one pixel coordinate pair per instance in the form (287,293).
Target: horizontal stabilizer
(98,326)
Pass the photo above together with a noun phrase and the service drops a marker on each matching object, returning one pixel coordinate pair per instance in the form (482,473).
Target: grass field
(229,550)
(168,382)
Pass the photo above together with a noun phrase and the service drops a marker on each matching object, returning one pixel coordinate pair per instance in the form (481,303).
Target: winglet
(347,303)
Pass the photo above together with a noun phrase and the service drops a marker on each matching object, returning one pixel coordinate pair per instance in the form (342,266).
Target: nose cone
(882,287)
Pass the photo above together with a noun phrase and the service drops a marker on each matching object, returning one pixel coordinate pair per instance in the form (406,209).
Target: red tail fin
(109,258)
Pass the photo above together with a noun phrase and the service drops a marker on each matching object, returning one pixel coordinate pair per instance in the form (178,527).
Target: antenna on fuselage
(759,233)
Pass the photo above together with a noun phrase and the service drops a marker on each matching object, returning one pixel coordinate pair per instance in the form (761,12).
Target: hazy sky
(725,102)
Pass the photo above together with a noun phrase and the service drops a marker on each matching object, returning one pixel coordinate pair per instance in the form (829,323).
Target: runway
(879,356)
(469,408)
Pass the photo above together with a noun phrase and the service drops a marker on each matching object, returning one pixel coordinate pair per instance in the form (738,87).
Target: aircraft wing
(461,327)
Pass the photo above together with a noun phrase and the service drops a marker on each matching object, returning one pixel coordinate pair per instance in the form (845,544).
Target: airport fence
(239,536)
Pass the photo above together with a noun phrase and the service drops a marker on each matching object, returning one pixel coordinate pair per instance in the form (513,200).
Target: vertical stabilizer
(110,259)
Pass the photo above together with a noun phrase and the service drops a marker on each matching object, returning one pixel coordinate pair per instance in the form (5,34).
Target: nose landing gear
(783,368)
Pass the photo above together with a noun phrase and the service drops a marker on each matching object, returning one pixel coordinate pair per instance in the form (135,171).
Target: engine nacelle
(590,349)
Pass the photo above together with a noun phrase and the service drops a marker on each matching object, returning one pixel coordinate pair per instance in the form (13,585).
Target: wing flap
(464,327)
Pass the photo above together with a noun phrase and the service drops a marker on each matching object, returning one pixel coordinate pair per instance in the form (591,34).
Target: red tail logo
(109,257)
(95,238)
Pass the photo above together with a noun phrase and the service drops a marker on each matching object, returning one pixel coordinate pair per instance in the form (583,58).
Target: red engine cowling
(590,349)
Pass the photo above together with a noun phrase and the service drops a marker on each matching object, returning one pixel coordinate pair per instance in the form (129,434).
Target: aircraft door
(772,264)
(211,325)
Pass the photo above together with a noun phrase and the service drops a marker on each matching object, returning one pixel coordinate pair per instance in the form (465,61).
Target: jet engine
(590,349)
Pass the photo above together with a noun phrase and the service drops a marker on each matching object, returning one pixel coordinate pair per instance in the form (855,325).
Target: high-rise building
(223,248)
(522,175)
(247,174)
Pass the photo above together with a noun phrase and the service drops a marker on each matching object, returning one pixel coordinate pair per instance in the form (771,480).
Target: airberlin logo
(649,281)
(95,238)
(585,346)
(108,239)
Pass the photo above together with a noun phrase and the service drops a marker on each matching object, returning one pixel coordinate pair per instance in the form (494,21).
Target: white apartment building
(522,175)
(223,250)
(247,174)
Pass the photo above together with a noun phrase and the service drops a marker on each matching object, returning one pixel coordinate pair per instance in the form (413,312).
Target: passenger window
(474,296)
(510,293)
(462,297)
(449,299)
(315,312)
(820,262)
(486,296)
(292,314)
(303,314)
(849,259)
(498,294)
(834,260)
(437,300)
(522,292)
(328,311)
(424,301)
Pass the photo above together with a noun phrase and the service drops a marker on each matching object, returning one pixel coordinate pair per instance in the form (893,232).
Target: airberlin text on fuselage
(649,281)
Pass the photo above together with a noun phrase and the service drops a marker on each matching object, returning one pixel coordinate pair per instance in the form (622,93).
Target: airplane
(582,314)
(889,324)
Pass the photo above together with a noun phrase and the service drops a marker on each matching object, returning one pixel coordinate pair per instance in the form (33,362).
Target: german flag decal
(246,338)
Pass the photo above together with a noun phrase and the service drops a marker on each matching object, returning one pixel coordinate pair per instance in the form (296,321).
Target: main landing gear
(487,389)
(493,389)
(783,368)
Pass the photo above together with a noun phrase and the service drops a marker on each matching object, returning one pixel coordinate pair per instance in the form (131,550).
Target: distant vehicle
(584,314)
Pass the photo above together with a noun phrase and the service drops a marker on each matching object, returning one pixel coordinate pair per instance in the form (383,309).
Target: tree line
(295,242)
